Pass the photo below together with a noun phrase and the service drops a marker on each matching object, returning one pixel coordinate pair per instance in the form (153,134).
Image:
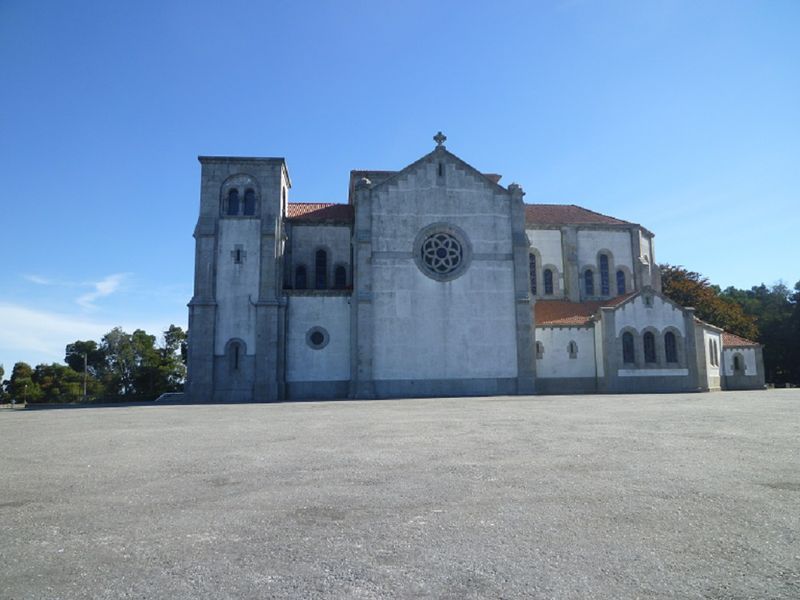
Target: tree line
(121,367)
(769,315)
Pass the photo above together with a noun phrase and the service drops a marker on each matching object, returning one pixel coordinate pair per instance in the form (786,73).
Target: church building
(433,280)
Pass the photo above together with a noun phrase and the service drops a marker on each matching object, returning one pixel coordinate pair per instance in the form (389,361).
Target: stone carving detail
(442,253)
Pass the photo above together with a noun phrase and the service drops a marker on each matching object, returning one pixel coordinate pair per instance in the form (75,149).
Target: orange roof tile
(567,214)
(564,312)
(319,211)
(731,340)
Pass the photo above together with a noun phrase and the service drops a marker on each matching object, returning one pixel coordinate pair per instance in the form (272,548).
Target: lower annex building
(434,280)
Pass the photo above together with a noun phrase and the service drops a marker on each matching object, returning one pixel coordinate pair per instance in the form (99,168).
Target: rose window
(442,253)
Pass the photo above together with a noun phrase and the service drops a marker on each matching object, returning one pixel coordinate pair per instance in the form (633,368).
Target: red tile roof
(319,211)
(567,214)
(730,340)
(564,312)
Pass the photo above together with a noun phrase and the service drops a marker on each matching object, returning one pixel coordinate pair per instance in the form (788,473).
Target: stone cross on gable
(440,138)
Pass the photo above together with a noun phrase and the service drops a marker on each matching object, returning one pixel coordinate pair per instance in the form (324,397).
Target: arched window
(620,282)
(649,347)
(235,355)
(737,364)
(249,202)
(233,202)
(588,282)
(572,348)
(628,355)
(532,267)
(605,287)
(716,354)
(539,350)
(670,347)
(300,278)
(340,277)
(711,352)
(321,270)
(548,282)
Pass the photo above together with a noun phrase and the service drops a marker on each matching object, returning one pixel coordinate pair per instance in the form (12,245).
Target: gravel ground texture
(635,496)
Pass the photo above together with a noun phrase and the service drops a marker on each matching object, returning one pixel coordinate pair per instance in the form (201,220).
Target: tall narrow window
(649,347)
(548,282)
(716,354)
(532,266)
(321,270)
(670,347)
(234,355)
(233,202)
(620,282)
(300,278)
(249,202)
(588,282)
(711,352)
(737,364)
(340,277)
(539,350)
(628,355)
(572,349)
(605,287)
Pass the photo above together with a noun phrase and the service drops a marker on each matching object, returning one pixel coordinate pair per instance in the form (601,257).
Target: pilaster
(361,322)
(569,250)
(524,304)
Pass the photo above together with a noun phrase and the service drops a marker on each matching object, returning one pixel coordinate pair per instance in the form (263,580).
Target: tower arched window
(532,267)
(628,354)
(340,277)
(249,203)
(605,287)
(620,282)
(548,282)
(321,269)
(300,278)
(233,202)
(235,355)
(670,347)
(588,282)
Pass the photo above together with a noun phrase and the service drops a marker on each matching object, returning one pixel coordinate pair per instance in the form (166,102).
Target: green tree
(95,358)
(775,311)
(689,288)
(59,383)
(3,396)
(21,385)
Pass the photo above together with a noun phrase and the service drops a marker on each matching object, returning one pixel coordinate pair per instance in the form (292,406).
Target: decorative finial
(439,138)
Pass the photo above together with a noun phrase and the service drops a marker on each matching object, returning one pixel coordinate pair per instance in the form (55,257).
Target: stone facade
(433,280)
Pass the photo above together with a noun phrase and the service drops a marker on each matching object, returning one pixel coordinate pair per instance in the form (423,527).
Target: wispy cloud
(102,288)
(40,280)
(36,336)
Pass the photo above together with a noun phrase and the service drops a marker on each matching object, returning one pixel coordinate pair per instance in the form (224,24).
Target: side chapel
(434,280)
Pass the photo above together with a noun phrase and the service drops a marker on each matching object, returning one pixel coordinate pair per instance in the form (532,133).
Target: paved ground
(669,496)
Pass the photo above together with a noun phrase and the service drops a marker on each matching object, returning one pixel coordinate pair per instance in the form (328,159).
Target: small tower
(235,315)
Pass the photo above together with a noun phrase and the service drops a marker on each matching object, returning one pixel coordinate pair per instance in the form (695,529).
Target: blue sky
(682,116)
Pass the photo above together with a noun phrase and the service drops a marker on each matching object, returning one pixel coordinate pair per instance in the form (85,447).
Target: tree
(59,383)
(689,288)
(2,385)
(776,313)
(95,358)
(21,386)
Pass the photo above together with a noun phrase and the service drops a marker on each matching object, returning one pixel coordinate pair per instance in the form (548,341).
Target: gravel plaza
(634,496)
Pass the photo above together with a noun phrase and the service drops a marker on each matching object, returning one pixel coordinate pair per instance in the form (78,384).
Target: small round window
(442,251)
(317,338)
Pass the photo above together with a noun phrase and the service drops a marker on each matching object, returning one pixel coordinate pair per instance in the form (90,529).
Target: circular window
(317,338)
(442,252)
